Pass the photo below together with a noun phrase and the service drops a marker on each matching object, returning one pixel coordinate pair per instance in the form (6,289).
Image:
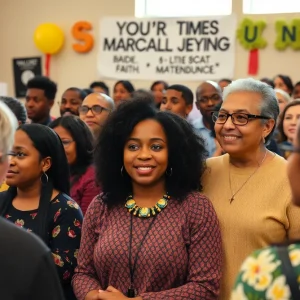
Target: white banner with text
(185,49)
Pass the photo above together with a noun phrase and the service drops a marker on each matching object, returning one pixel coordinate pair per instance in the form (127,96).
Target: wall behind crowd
(20,18)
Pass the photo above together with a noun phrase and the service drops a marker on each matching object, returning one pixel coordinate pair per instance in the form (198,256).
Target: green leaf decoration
(249,34)
(288,34)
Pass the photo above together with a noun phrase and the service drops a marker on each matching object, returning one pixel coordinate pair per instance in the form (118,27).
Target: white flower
(263,281)
(295,257)
(278,290)
(258,271)
(238,293)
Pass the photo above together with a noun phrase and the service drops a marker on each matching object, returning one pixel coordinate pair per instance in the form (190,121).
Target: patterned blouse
(179,259)
(64,223)
(261,276)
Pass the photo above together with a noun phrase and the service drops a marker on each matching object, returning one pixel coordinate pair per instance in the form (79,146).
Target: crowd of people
(152,193)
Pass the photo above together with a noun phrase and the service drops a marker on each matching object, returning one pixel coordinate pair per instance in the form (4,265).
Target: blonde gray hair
(269,105)
(285,95)
(8,126)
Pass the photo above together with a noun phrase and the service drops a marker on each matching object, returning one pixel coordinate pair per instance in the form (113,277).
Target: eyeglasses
(66,143)
(239,119)
(214,98)
(95,109)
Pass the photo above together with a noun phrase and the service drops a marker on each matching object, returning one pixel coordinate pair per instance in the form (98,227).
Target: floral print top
(64,223)
(261,277)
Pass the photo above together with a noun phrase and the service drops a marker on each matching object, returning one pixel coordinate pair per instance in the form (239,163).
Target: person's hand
(112,294)
(93,295)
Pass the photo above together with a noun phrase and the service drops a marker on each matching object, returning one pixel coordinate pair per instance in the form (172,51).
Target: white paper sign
(185,49)
(3,89)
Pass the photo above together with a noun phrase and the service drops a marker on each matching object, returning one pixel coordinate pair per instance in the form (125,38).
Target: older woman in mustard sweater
(248,186)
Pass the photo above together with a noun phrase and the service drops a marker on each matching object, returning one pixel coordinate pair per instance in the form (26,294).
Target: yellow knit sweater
(260,214)
(3,187)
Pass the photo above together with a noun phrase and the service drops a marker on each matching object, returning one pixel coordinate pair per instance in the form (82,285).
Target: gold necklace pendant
(146,212)
(232,193)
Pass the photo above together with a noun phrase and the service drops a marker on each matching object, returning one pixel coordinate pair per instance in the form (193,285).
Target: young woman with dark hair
(122,91)
(158,89)
(151,234)
(21,252)
(77,140)
(287,127)
(38,200)
(284,82)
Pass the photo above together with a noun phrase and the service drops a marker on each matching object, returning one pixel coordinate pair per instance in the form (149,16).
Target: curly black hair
(187,152)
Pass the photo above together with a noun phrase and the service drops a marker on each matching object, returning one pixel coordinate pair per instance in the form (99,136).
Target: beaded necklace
(146,212)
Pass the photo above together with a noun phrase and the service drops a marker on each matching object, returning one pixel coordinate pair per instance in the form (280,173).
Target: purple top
(84,190)
(180,257)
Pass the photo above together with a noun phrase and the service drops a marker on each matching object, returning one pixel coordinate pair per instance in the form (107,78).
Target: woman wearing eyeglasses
(94,111)
(77,140)
(276,269)
(248,185)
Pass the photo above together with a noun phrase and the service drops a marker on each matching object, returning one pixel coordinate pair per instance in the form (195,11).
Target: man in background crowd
(71,100)
(99,87)
(208,95)
(178,99)
(40,95)
(95,110)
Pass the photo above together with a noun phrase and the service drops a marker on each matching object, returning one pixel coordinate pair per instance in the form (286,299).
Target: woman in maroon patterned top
(78,143)
(151,234)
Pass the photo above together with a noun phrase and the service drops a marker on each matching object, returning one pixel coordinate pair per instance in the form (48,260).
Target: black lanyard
(132,293)
(288,271)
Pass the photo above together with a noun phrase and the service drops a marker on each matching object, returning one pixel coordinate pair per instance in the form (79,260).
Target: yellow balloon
(49,38)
